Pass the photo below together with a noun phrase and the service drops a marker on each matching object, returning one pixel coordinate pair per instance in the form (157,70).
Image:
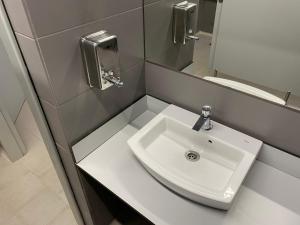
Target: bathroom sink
(205,166)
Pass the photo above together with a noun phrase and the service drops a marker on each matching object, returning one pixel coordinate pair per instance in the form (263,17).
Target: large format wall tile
(93,108)
(36,68)
(56,15)
(18,17)
(62,53)
(55,124)
(273,124)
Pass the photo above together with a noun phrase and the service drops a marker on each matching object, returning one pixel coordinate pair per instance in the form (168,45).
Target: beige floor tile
(30,192)
(4,161)
(42,209)
(5,213)
(18,193)
(51,180)
(37,159)
(12,173)
(64,218)
(14,221)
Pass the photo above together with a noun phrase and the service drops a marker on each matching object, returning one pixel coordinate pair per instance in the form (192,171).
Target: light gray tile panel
(57,15)
(18,17)
(62,53)
(55,124)
(155,105)
(280,160)
(273,124)
(72,174)
(284,189)
(93,108)
(36,68)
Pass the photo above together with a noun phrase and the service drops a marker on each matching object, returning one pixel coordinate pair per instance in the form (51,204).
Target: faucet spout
(204,120)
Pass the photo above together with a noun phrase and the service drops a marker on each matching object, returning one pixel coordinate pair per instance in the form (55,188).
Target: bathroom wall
(48,33)
(206,15)
(159,35)
(258,41)
(274,124)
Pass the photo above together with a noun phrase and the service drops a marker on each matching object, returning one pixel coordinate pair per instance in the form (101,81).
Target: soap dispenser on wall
(100,56)
(184,22)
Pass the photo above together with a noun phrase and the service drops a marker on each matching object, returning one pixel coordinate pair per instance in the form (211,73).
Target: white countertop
(268,196)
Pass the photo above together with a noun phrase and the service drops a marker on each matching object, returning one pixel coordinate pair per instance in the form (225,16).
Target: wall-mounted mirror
(252,46)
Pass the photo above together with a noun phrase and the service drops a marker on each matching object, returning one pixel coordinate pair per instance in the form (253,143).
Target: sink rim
(183,186)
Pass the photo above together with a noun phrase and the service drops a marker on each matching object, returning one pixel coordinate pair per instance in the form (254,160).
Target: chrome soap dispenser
(100,56)
(184,22)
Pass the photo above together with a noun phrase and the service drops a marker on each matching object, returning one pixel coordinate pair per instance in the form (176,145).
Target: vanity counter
(268,195)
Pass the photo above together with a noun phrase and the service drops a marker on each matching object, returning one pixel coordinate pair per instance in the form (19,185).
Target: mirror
(251,46)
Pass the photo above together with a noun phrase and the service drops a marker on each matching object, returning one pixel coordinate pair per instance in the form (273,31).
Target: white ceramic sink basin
(206,166)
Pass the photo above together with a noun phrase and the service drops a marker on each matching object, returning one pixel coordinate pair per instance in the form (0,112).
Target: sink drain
(192,156)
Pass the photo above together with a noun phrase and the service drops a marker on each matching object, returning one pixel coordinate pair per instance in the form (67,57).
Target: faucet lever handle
(206,111)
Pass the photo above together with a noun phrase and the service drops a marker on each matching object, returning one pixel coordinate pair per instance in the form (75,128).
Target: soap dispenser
(184,22)
(100,56)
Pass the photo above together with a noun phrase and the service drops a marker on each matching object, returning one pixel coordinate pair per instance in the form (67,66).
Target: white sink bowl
(206,166)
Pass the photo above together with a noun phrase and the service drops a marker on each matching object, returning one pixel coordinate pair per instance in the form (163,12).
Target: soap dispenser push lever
(100,56)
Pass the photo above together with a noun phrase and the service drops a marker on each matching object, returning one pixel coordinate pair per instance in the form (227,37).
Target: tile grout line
(88,23)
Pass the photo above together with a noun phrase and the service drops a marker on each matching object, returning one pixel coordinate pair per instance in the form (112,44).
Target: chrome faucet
(204,121)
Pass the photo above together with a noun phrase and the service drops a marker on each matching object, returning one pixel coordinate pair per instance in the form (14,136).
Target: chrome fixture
(204,121)
(184,22)
(100,56)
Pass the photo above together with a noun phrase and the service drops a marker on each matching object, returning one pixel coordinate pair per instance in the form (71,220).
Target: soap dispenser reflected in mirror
(100,56)
(184,22)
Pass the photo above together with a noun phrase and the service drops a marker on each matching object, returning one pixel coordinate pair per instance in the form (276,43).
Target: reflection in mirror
(252,46)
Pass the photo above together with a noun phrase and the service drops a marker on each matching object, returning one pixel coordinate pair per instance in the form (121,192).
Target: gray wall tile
(62,53)
(273,124)
(88,111)
(18,17)
(56,15)
(147,2)
(55,124)
(36,68)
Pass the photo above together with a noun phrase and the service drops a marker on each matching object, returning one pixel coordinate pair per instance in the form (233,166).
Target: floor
(30,192)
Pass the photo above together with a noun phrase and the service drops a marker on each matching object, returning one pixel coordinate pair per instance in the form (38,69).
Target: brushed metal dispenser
(100,56)
(184,22)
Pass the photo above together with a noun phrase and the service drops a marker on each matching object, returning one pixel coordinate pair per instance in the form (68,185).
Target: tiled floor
(30,192)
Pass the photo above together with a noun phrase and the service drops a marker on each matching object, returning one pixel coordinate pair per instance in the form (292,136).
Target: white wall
(259,41)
